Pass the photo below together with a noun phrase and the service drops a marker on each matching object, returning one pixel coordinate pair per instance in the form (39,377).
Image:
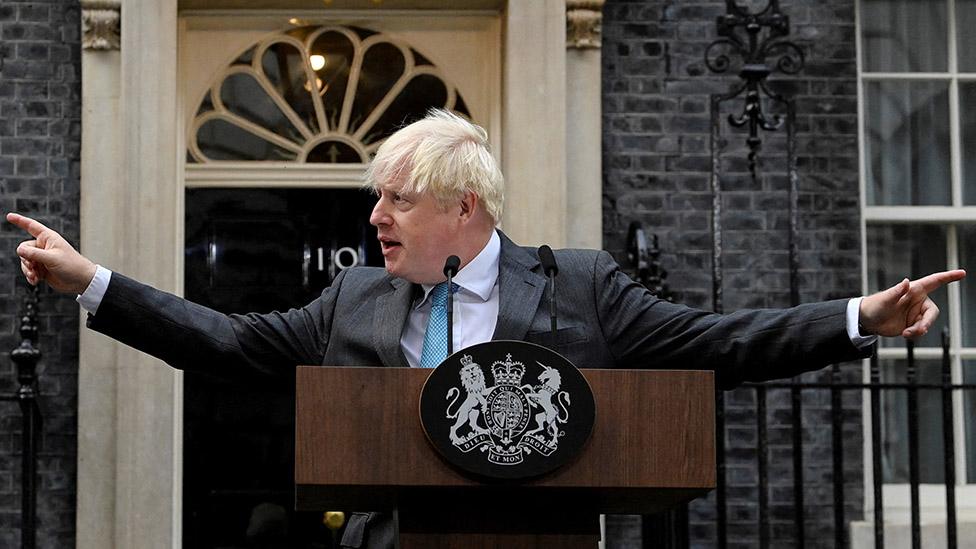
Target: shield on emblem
(500,413)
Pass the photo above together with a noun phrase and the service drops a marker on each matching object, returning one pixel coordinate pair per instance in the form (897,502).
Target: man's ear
(469,204)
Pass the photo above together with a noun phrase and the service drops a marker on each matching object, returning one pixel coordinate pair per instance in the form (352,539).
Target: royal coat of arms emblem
(509,408)
(508,417)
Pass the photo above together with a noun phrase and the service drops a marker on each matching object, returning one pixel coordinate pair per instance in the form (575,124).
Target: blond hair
(442,154)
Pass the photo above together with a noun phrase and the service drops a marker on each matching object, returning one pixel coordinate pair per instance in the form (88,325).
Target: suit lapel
(519,291)
(389,318)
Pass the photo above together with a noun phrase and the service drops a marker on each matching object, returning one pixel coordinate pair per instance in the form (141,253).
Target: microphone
(451,267)
(549,266)
(548,260)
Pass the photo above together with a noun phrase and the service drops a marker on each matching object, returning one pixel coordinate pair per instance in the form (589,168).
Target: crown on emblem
(509,372)
(466,360)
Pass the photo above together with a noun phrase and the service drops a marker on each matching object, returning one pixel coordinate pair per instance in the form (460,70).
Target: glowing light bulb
(318,85)
(318,61)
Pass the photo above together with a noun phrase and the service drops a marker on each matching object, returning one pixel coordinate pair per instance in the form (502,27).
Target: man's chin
(395,270)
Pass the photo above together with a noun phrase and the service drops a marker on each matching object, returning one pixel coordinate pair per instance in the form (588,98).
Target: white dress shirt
(475,305)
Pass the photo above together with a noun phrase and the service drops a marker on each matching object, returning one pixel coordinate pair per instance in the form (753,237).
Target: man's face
(416,233)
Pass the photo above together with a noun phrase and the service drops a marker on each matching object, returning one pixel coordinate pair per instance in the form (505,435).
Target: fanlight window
(316,94)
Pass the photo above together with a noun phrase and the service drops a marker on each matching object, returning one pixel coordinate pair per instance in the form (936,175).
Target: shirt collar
(479,275)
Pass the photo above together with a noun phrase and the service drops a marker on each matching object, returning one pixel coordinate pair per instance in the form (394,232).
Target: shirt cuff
(92,297)
(853,321)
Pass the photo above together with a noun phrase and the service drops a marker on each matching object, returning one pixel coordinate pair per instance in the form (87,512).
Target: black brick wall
(656,154)
(40,139)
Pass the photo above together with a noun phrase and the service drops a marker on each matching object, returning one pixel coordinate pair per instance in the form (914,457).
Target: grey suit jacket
(605,320)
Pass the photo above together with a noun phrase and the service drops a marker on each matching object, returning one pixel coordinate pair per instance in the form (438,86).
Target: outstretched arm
(905,309)
(50,258)
(184,334)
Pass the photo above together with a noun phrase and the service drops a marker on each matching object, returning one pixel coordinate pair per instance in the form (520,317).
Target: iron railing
(671,529)
(875,388)
(26,356)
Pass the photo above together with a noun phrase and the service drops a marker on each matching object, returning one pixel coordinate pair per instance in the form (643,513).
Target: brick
(649,105)
(31,90)
(33,51)
(688,124)
(641,30)
(694,105)
(33,13)
(62,91)
(13,32)
(25,146)
(30,166)
(63,53)
(58,167)
(693,144)
(651,49)
(49,109)
(32,127)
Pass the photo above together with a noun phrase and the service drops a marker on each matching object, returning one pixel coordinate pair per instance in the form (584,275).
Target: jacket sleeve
(747,345)
(195,338)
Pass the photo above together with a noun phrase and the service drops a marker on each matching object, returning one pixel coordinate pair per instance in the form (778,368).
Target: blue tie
(435,340)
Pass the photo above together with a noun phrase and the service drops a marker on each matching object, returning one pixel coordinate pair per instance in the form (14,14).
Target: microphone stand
(451,267)
(450,312)
(548,261)
(552,306)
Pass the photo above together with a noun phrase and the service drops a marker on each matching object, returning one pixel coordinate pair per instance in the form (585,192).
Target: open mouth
(387,244)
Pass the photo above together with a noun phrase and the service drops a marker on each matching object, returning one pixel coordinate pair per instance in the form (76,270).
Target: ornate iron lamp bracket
(757,41)
(646,258)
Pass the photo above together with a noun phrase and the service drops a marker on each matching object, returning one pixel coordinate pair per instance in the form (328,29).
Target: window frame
(951,217)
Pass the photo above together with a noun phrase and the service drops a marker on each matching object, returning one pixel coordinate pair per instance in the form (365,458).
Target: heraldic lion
(473,381)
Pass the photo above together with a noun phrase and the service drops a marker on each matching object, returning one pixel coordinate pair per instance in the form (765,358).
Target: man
(440,194)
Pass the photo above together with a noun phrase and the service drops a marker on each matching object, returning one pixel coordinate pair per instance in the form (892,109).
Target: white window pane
(967,124)
(904,35)
(965,23)
(969,415)
(967,260)
(895,422)
(897,251)
(907,143)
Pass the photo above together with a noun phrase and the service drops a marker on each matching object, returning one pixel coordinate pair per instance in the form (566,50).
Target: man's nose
(379,216)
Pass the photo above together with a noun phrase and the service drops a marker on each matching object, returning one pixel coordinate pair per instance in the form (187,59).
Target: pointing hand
(905,309)
(50,258)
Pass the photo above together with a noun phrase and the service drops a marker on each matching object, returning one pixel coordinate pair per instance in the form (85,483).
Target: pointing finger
(32,226)
(935,281)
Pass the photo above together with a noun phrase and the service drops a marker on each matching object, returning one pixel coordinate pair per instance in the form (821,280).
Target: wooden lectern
(360,446)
